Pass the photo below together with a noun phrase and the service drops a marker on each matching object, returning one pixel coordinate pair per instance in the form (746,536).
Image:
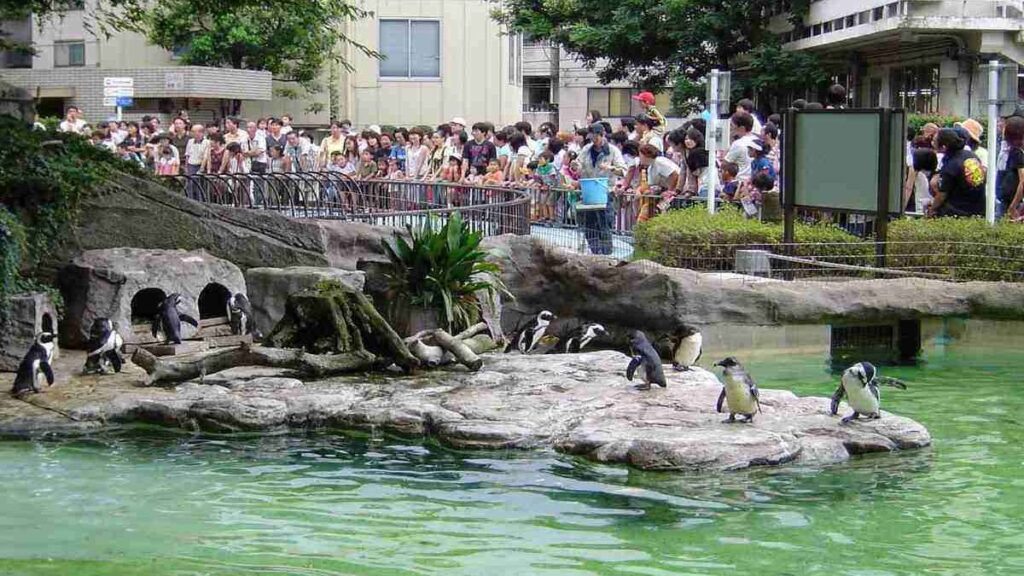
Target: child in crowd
(494,177)
(550,181)
(394,169)
(760,163)
(652,112)
(279,163)
(571,177)
(752,194)
(730,185)
(367,165)
(475,177)
(236,159)
(166,161)
(453,171)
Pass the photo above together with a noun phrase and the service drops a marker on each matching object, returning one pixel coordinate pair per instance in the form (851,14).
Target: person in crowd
(503,150)
(961,181)
(526,129)
(599,159)
(523,156)
(334,142)
(592,117)
(479,151)
(439,154)
(387,145)
(416,155)
(167,163)
(452,171)
(696,159)
(257,154)
(301,154)
(746,106)
(179,136)
(278,163)
(742,126)
(925,164)
(579,140)
(545,132)
(549,181)
(73,121)
(214,157)
(367,165)
(972,131)
(760,163)
(1011,189)
(400,147)
(836,97)
(628,125)
(658,122)
(233,135)
(393,169)
(662,175)
(494,176)
(728,175)
(646,134)
(814,106)
(557,147)
(275,135)
(195,150)
(286,124)
(134,142)
(236,161)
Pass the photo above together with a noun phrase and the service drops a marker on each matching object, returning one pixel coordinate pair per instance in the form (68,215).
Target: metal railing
(332,195)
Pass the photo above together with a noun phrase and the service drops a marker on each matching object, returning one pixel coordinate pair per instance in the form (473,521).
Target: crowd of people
(649,168)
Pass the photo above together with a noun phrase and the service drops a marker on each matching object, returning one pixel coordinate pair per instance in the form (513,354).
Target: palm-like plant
(442,269)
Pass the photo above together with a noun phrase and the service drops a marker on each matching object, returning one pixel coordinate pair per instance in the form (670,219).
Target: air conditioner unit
(949,70)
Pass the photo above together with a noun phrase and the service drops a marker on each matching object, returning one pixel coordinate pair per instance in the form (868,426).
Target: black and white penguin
(240,316)
(860,386)
(104,348)
(581,336)
(531,335)
(740,391)
(168,320)
(687,347)
(647,360)
(36,365)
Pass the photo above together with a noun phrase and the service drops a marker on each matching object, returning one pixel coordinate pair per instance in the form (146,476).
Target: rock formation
(578,404)
(269,288)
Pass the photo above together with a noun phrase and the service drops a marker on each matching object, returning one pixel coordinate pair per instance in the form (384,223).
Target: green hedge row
(916,121)
(960,249)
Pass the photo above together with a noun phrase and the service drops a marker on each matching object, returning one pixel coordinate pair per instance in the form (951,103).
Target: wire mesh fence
(332,195)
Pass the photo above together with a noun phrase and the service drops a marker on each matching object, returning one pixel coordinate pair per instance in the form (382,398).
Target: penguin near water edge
(105,345)
(739,393)
(35,366)
(645,359)
(580,337)
(687,347)
(168,320)
(859,384)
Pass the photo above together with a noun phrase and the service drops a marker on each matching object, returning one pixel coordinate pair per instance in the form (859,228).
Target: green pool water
(157,502)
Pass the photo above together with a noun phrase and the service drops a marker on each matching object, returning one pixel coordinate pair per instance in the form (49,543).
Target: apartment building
(557,88)
(442,58)
(926,56)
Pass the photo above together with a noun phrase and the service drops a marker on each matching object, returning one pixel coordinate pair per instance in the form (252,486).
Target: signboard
(118,82)
(110,101)
(125,101)
(174,81)
(115,91)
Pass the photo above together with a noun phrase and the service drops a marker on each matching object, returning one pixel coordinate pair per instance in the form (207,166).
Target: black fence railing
(332,195)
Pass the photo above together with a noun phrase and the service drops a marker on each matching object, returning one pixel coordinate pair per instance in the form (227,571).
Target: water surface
(157,502)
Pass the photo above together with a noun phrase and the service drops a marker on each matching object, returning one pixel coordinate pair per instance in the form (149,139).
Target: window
(69,54)
(537,94)
(618,102)
(915,88)
(410,49)
(877,13)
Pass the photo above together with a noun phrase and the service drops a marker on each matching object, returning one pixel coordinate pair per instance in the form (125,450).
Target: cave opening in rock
(213,301)
(47,323)
(146,305)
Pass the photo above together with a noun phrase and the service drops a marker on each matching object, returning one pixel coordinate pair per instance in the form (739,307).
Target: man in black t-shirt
(961,179)
(479,151)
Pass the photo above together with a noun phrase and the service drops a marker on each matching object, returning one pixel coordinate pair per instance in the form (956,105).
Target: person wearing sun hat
(972,131)
(647,99)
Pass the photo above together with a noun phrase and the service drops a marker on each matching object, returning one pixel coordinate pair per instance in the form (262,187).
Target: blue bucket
(595,190)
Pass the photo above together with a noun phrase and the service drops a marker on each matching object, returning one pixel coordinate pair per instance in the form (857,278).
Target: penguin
(581,336)
(104,348)
(687,347)
(646,358)
(168,320)
(740,391)
(859,384)
(240,315)
(36,365)
(531,335)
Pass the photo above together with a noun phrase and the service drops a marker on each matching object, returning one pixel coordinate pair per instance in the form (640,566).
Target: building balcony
(831,23)
(540,59)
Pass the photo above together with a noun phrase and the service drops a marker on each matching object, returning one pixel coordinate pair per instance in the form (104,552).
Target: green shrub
(916,121)
(955,248)
(443,269)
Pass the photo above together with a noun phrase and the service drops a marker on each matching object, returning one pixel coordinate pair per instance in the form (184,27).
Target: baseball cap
(756,144)
(645,97)
(597,128)
(374,128)
(458,120)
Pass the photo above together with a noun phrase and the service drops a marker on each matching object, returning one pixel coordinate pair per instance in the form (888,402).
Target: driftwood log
(438,347)
(173,370)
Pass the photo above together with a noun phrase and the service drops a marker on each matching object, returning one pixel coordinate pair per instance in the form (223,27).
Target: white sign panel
(115,91)
(174,81)
(118,81)
(110,101)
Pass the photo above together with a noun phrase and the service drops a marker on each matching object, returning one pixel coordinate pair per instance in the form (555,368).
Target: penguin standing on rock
(532,334)
(647,360)
(168,320)
(36,365)
(583,335)
(240,316)
(687,347)
(740,392)
(860,386)
(104,348)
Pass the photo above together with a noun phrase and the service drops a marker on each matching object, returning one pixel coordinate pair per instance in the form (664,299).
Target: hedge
(960,249)
(916,121)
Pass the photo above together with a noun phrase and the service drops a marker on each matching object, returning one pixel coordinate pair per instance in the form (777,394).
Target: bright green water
(163,503)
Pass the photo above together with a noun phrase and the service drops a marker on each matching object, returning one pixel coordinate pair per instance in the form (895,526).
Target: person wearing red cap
(647,99)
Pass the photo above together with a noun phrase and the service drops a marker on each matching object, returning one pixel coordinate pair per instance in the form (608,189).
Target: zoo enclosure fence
(332,195)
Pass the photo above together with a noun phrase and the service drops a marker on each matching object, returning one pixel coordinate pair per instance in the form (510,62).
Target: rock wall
(648,296)
(269,289)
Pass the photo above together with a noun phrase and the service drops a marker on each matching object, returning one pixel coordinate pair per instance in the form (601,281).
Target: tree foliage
(293,40)
(653,44)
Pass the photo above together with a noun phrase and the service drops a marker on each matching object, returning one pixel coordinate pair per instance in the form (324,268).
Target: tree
(293,40)
(651,43)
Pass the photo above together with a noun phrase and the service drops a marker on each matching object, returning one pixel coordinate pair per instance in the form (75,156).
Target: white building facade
(922,55)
